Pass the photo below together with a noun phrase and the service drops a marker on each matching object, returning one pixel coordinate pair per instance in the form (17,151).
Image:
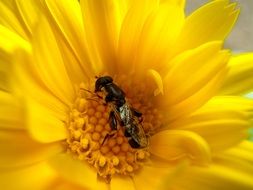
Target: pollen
(92,140)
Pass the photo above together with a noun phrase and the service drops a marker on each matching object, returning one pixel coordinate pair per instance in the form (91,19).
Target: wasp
(122,113)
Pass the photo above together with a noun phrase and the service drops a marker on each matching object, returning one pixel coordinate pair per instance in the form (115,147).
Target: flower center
(89,132)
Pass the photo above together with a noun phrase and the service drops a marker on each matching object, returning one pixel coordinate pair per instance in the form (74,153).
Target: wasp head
(101,82)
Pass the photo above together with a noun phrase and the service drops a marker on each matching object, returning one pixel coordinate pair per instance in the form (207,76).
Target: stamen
(102,161)
(115,161)
(129,168)
(84,143)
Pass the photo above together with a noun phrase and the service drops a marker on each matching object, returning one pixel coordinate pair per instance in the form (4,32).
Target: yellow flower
(172,69)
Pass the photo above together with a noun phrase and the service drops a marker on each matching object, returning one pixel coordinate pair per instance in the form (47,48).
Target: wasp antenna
(93,93)
(99,96)
(107,136)
(87,90)
(92,99)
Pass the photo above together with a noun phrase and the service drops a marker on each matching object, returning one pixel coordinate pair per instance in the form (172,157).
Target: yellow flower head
(122,94)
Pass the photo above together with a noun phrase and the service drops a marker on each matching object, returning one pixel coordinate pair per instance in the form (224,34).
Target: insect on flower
(122,113)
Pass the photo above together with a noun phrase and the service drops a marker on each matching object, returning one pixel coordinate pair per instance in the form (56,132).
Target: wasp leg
(140,119)
(88,91)
(133,143)
(121,123)
(112,121)
(108,98)
(127,134)
(136,112)
(113,125)
(108,135)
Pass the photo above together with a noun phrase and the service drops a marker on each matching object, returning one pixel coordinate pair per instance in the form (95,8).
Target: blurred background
(241,37)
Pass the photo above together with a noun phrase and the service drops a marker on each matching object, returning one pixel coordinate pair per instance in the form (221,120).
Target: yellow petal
(75,171)
(145,179)
(240,75)
(8,3)
(178,144)
(28,13)
(222,122)
(37,176)
(11,112)
(19,17)
(131,31)
(122,183)
(102,22)
(25,83)
(158,80)
(9,43)
(65,19)
(4,80)
(62,184)
(158,36)
(4,77)
(198,99)
(19,149)
(48,64)
(246,145)
(192,69)
(9,19)
(180,3)
(243,151)
(193,77)
(203,25)
(235,161)
(43,125)
(223,174)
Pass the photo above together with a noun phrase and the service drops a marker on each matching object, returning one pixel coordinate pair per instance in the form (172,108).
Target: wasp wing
(125,114)
(136,132)
(132,126)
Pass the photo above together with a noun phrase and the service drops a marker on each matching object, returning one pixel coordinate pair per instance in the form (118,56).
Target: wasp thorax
(92,139)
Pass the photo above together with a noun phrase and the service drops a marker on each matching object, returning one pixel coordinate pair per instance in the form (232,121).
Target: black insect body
(121,112)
